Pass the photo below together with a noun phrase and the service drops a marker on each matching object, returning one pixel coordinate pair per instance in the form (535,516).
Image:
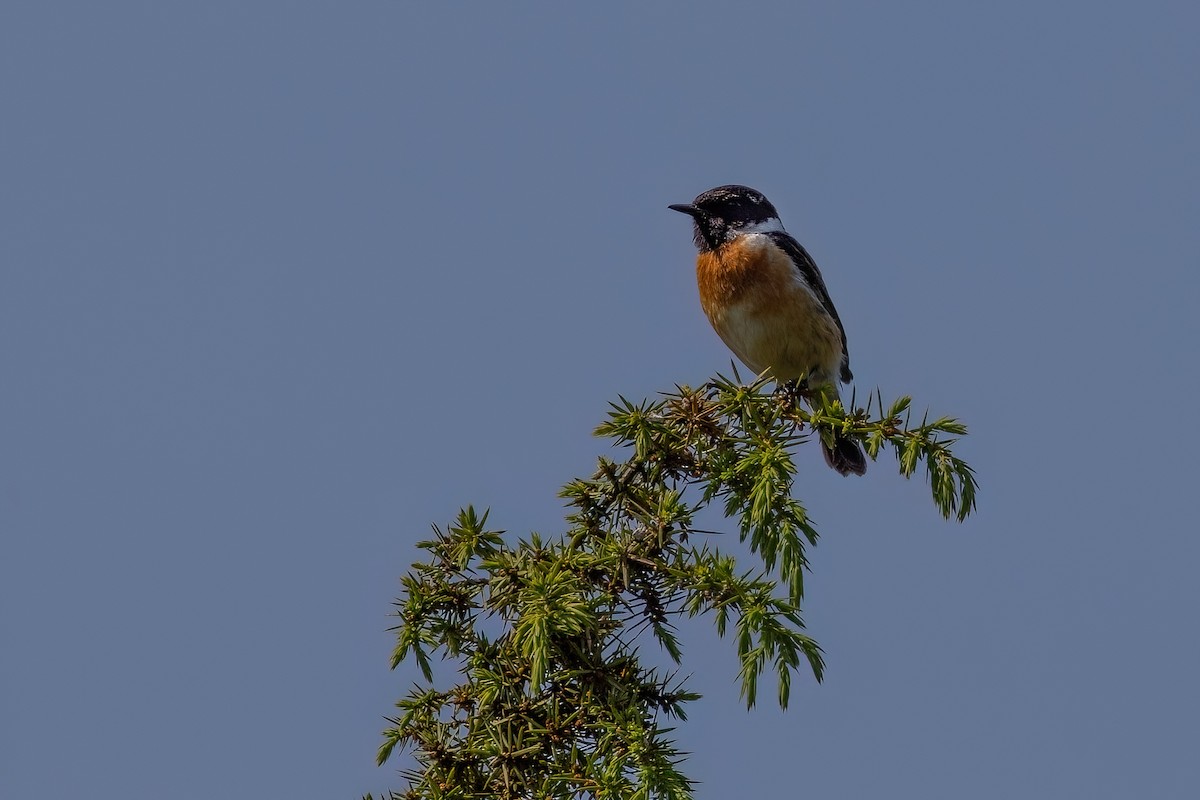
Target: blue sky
(282,284)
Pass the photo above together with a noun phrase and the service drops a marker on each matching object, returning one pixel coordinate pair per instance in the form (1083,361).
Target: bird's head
(721,214)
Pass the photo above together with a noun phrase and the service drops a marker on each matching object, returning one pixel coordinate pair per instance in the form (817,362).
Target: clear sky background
(282,284)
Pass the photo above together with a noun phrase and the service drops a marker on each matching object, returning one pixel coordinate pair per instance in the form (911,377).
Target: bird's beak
(685,208)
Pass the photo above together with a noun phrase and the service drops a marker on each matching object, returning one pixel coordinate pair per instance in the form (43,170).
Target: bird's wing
(808,269)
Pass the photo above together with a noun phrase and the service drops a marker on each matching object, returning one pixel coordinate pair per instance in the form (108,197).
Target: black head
(721,213)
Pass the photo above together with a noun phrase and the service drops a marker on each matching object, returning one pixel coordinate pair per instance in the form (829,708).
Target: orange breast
(756,300)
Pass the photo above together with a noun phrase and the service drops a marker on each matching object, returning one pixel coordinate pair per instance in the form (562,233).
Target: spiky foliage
(553,697)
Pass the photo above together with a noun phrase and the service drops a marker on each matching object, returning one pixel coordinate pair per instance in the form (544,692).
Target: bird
(766,299)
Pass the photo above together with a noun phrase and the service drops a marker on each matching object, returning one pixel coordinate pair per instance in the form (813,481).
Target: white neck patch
(772,225)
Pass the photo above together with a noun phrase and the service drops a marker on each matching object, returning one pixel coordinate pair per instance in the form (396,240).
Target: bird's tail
(846,456)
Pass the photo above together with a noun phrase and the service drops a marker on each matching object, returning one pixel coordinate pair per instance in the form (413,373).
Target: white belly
(789,339)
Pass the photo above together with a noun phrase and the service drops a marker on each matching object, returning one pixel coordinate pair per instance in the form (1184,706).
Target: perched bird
(765,297)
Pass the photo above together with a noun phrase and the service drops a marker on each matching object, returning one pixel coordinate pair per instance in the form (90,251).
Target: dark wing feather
(808,268)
